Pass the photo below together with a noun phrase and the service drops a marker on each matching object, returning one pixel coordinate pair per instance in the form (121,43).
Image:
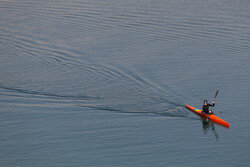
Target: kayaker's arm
(212,105)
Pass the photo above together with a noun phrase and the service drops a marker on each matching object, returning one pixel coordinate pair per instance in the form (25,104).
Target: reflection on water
(209,126)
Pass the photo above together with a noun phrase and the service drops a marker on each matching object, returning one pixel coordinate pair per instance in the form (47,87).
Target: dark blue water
(104,83)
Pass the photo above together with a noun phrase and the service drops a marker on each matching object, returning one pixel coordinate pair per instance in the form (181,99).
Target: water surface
(104,83)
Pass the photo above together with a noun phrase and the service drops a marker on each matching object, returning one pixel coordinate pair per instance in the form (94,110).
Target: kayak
(212,117)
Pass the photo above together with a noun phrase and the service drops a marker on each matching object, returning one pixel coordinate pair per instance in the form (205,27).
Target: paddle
(214,99)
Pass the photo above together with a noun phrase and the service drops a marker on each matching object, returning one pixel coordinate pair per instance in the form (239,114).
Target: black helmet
(205,101)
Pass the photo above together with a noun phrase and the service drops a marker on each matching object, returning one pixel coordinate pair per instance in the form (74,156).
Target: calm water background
(104,83)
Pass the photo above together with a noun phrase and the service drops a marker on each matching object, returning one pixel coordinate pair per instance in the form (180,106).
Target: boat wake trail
(47,94)
(136,103)
(177,112)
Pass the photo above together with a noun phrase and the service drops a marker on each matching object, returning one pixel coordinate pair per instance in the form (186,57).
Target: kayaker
(206,107)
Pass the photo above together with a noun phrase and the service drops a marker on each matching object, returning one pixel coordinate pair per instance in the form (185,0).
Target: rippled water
(104,83)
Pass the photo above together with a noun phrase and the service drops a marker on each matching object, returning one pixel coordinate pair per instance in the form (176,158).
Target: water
(104,83)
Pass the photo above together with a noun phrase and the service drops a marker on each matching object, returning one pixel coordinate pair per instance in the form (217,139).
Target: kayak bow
(212,117)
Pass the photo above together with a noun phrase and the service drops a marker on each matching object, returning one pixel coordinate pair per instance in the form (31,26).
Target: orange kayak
(212,117)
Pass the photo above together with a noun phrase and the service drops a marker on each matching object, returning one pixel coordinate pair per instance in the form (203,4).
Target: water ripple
(98,49)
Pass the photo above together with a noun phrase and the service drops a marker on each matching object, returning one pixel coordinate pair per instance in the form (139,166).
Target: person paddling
(206,107)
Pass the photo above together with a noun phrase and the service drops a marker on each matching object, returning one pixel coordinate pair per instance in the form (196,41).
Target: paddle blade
(216,94)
